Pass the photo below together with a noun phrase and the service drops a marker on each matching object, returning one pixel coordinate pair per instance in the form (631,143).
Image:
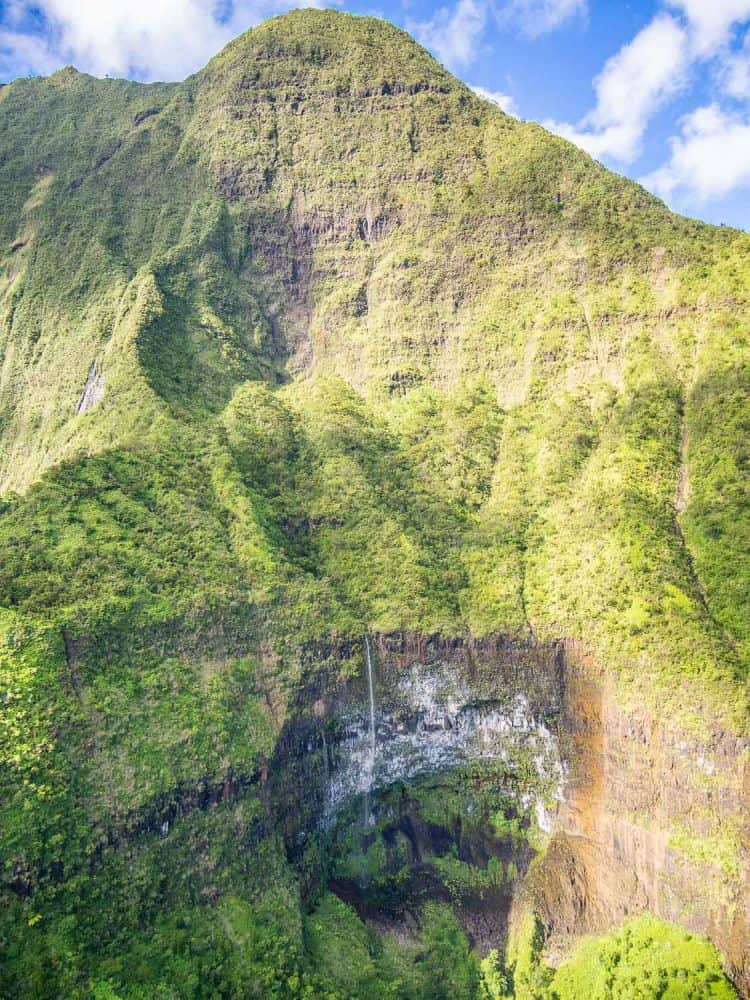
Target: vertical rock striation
(653,819)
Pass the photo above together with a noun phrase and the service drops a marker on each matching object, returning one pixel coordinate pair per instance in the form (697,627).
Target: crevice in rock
(141,116)
(70,651)
(682,490)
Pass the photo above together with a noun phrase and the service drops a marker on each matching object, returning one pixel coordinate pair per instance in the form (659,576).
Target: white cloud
(711,21)
(23,54)
(453,34)
(734,72)
(152,39)
(630,88)
(539,16)
(709,159)
(503,101)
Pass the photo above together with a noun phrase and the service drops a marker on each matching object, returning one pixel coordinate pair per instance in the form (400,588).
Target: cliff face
(313,345)
(653,819)
(437,705)
(626,813)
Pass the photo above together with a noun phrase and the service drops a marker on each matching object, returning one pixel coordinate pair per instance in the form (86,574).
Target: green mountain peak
(316,369)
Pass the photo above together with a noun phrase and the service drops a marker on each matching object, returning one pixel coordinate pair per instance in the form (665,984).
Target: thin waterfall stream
(371,760)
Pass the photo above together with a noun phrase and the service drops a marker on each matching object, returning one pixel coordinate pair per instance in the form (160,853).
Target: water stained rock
(432,708)
(93,390)
(429,719)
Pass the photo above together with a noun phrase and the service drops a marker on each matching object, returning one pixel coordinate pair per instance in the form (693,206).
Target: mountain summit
(360,443)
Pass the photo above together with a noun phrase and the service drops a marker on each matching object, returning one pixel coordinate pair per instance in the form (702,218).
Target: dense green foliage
(643,958)
(374,356)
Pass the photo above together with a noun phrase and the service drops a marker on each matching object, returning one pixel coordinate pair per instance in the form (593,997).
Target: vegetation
(643,958)
(375,356)
(458,837)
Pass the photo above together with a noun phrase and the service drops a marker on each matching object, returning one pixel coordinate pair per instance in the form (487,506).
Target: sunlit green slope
(316,342)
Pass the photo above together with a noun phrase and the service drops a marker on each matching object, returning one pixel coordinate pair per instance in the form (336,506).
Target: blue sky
(656,89)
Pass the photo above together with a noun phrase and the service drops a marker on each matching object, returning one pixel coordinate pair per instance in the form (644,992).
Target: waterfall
(368,658)
(326,766)
(369,819)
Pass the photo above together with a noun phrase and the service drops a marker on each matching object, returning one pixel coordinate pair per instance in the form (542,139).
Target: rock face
(653,819)
(93,390)
(632,825)
(429,718)
(437,705)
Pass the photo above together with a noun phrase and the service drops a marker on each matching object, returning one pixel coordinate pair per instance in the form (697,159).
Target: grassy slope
(376,355)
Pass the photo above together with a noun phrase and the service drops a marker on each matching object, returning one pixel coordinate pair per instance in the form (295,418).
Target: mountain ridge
(364,355)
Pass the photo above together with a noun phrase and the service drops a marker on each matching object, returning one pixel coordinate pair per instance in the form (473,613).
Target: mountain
(375,541)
